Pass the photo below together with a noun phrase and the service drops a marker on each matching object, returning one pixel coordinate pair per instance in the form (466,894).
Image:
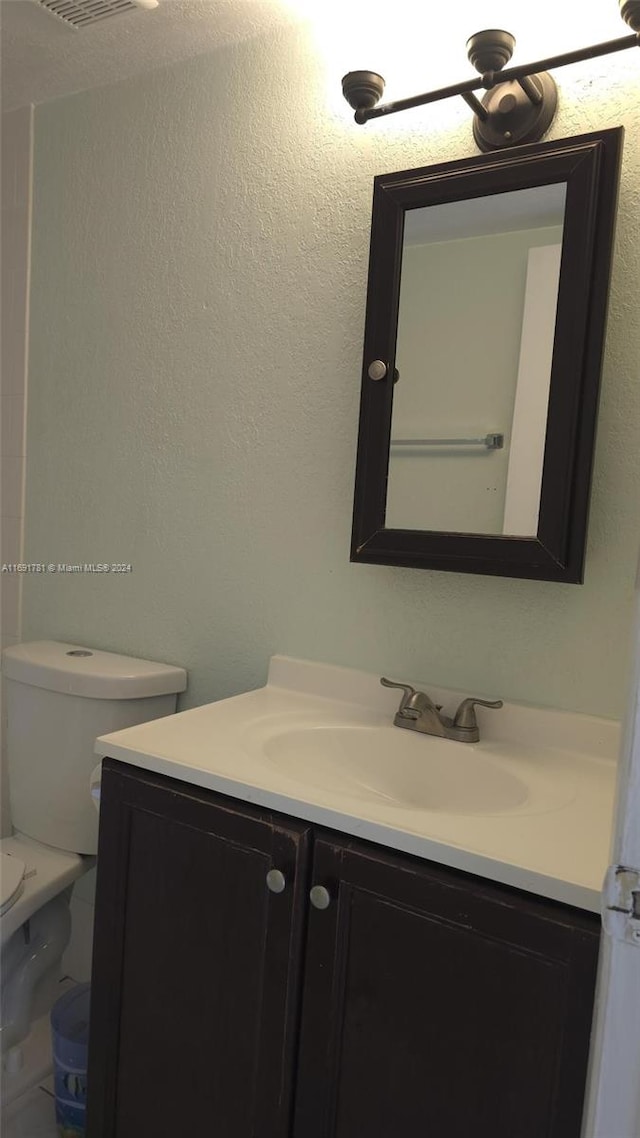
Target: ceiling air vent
(82,13)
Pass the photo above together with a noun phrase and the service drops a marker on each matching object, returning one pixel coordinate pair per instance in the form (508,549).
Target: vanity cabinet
(375,995)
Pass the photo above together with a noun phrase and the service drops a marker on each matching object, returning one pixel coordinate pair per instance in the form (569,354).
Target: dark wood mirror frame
(589,165)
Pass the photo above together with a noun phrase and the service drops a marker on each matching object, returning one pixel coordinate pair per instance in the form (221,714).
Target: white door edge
(613,1086)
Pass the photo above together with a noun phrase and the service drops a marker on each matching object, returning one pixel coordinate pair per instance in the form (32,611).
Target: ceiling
(43,58)
(532,208)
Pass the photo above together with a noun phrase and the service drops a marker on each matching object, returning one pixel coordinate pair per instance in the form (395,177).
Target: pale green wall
(199,280)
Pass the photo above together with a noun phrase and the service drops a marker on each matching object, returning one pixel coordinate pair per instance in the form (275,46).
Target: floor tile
(31,1116)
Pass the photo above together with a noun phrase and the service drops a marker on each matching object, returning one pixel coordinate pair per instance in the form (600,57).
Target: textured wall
(199,281)
(15,161)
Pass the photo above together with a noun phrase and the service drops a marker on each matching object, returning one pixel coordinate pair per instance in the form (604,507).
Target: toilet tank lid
(76,670)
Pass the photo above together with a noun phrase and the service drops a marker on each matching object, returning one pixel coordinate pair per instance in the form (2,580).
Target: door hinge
(621,904)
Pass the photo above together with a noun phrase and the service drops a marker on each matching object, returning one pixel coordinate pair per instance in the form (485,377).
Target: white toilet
(58,698)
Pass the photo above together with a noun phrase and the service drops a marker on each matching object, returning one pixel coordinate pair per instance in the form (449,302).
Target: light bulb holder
(630,12)
(362,90)
(490,50)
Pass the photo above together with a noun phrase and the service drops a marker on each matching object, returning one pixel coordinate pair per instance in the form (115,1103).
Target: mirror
(490,266)
(486,311)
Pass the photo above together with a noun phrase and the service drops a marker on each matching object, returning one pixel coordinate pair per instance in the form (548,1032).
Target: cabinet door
(438,1006)
(196,963)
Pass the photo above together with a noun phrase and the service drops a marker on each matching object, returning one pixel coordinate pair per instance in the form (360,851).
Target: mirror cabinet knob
(320,897)
(377,369)
(276,881)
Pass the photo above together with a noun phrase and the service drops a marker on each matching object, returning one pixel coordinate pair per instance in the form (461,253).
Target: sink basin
(404,769)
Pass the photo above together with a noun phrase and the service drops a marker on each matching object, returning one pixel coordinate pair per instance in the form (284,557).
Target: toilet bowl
(59,697)
(35,930)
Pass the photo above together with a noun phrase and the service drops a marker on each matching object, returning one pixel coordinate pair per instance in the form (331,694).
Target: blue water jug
(70,1032)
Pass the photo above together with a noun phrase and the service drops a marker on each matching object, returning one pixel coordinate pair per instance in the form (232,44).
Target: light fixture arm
(492,79)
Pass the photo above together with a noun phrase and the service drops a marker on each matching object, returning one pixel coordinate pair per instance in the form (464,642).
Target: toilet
(58,698)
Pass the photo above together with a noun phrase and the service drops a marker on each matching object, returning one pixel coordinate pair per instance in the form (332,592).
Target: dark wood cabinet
(419,1003)
(196,969)
(438,1004)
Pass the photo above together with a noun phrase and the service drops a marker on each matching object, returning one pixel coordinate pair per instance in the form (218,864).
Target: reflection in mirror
(477,311)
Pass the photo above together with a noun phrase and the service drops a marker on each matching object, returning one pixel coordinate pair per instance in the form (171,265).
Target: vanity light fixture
(520,102)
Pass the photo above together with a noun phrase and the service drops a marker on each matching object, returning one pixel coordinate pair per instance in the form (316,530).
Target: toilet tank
(58,698)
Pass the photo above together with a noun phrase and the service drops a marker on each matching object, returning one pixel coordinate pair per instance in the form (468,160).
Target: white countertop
(554,843)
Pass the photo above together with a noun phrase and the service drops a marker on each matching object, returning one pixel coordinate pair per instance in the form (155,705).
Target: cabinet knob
(377,369)
(276,881)
(320,897)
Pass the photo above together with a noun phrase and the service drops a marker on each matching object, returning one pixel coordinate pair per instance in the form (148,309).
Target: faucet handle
(406,688)
(465,716)
(409,693)
(413,702)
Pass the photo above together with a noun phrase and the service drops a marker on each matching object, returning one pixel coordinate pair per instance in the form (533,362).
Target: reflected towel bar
(492,441)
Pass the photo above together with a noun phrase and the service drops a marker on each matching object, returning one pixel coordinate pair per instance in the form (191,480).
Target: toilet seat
(47,872)
(11,881)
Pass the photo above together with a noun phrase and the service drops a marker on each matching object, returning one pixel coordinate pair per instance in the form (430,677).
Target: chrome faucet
(418,712)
